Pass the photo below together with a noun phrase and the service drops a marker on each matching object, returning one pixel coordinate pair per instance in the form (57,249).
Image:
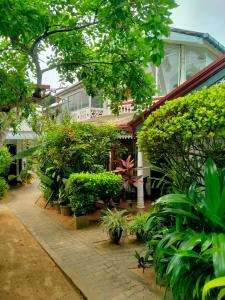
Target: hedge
(3,187)
(84,189)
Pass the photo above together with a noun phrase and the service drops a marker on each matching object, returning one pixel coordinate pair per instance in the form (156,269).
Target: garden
(184,141)
(184,231)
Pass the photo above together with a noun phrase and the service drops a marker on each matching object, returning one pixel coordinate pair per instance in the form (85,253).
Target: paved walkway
(100,270)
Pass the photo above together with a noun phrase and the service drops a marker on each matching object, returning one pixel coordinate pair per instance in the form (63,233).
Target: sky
(206,16)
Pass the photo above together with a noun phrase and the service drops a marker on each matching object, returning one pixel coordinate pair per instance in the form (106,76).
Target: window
(195,60)
(78,101)
(95,102)
(169,70)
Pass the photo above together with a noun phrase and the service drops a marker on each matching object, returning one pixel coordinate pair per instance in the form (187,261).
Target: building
(17,142)
(186,52)
(192,60)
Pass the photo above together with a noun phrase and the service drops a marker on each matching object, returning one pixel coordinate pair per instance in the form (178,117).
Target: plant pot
(57,206)
(115,236)
(140,236)
(81,221)
(65,210)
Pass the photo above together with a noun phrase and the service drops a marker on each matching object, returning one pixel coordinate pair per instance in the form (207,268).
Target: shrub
(73,148)
(188,238)
(84,189)
(5,161)
(137,226)
(3,187)
(184,132)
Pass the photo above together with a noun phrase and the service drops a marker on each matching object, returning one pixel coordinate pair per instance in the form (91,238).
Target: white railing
(126,108)
(89,113)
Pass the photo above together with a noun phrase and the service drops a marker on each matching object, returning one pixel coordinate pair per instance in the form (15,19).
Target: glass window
(210,57)
(65,104)
(95,102)
(195,60)
(169,70)
(84,99)
(70,103)
(78,101)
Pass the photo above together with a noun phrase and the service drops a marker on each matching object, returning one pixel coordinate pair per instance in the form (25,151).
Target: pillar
(140,184)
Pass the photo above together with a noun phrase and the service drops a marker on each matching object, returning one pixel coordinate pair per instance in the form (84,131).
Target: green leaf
(218,241)
(218,282)
(212,187)
(221,294)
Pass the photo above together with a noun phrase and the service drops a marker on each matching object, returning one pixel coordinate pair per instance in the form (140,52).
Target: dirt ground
(26,270)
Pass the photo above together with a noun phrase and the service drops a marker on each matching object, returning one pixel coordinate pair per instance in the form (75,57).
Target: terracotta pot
(65,210)
(81,222)
(115,236)
(57,206)
(140,236)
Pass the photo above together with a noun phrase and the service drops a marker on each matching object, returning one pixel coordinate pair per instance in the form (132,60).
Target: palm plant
(188,238)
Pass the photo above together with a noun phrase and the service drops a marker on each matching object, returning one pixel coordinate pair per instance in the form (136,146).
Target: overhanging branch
(82,64)
(48,33)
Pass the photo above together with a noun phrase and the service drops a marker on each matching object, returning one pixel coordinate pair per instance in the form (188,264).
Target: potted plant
(137,226)
(65,207)
(127,171)
(56,205)
(115,223)
(82,205)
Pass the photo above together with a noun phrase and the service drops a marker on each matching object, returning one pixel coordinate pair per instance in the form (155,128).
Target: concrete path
(100,270)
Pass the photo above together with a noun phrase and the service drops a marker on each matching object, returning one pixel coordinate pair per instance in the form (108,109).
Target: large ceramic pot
(56,205)
(65,210)
(81,222)
(115,236)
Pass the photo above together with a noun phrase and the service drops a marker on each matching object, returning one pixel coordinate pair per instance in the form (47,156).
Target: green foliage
(107,44)
(138,224)
(26,173)
(114,221)
(3,187)
(188,237)
(5,161)
(73,148)
(184,132)
(84,189)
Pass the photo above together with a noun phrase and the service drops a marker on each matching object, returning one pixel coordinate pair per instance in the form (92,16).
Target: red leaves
(127,172)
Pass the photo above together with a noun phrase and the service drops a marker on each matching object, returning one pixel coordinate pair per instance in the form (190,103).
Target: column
(140,184)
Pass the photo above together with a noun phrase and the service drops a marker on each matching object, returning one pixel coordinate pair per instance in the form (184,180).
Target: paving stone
(100,272)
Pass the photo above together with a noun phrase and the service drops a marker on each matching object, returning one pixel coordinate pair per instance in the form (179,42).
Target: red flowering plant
(128,174)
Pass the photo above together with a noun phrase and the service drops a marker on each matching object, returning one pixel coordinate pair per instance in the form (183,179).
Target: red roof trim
(184,88)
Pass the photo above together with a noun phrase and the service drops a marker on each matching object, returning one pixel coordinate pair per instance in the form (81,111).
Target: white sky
(197,15)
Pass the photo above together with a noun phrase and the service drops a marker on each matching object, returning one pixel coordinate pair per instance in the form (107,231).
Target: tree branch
(83,64)
(47,33)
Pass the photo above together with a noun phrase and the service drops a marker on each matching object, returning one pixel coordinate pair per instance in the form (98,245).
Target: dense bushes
(85,189)
(5,161)
(183,133)
(72,148)
(188,238)
(3,187)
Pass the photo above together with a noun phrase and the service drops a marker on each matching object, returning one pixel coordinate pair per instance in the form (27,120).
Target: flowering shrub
(72,148)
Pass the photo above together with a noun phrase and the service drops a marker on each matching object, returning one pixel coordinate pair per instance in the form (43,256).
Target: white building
(186,52)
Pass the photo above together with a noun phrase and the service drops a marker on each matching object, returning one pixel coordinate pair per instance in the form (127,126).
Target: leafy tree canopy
(107,44)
